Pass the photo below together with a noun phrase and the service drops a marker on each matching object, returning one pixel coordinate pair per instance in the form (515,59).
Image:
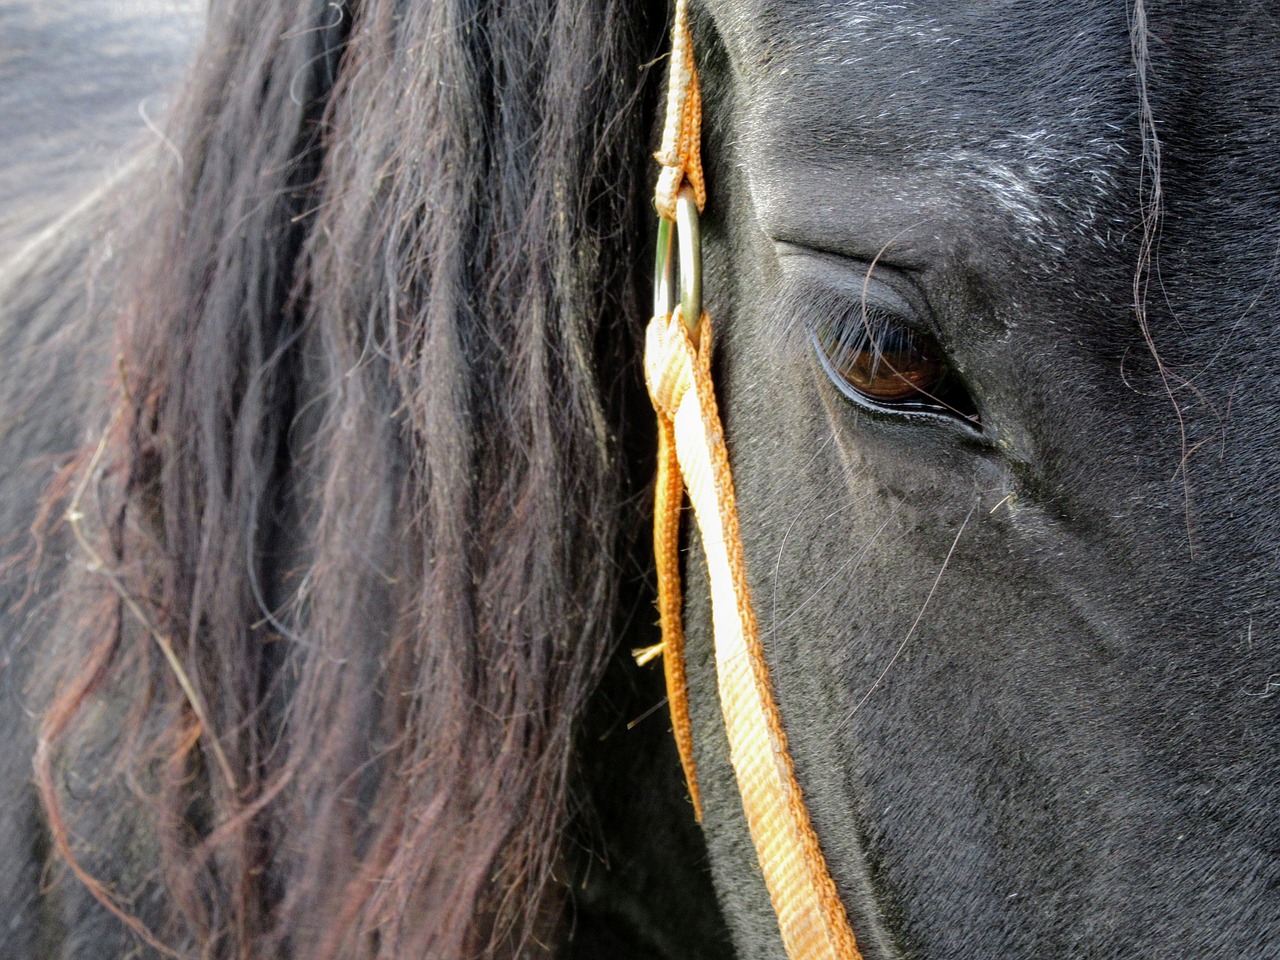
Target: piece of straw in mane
(376,336)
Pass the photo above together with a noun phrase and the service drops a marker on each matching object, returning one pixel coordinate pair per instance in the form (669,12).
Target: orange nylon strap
(681,150)
(692,452)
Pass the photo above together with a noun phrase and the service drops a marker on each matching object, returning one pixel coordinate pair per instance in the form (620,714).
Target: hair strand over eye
(877,360)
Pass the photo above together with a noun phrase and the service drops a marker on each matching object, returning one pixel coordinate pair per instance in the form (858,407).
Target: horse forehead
(993,97)
(963,47)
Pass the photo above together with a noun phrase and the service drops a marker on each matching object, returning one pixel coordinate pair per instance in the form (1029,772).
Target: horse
(327,467)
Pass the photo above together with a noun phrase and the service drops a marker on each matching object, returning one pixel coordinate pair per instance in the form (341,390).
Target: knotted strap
(681,150)
(692,453)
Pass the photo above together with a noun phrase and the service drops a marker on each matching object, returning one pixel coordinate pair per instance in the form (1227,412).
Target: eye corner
(871,330)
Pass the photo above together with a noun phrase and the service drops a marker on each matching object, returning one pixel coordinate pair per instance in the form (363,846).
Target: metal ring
(685,233)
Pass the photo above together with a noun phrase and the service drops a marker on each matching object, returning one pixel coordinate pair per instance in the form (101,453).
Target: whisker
(795,518)
(631,725)
(852,559)
(910,633)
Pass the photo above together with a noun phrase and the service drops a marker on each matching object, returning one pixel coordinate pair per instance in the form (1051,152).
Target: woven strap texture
(692,454)
(681,150)
(811,916)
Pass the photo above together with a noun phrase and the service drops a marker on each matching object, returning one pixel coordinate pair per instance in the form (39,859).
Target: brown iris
(881,360)
(892,376)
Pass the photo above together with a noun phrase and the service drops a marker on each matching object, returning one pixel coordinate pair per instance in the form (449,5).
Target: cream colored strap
(811,916)
(692,453)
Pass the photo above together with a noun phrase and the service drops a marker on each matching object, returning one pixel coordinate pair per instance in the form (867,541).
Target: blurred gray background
(80,82)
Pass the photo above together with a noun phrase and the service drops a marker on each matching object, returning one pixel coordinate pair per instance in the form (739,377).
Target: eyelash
(877,360)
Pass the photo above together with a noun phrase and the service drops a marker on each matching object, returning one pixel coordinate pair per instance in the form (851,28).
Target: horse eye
(876,360)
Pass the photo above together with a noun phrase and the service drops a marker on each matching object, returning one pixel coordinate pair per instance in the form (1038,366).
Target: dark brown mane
(376,337)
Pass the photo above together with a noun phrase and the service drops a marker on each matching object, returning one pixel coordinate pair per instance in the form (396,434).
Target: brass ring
(685,233)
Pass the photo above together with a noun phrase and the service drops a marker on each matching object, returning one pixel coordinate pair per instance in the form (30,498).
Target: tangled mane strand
(363,477)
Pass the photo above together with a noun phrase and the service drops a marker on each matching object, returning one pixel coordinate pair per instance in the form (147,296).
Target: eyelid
(815,283)
(806,305)
(825,291)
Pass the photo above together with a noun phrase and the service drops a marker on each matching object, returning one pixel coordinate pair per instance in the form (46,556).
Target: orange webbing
(668,499)
(692,453)
(681,159)
(681,150)
(811,916)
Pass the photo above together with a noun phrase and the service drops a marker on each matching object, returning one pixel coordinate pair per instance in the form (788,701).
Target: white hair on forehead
(839,30)
(1050,183)
(1050,179)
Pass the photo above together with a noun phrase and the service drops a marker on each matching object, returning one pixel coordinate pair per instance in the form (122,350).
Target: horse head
(331,657)
(994,293)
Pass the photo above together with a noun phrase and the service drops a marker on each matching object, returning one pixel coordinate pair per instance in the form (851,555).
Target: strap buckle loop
(685,232)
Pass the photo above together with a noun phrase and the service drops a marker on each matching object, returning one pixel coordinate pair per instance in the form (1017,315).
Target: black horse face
(1020,611)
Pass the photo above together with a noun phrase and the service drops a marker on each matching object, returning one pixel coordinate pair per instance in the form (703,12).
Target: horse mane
(359,499)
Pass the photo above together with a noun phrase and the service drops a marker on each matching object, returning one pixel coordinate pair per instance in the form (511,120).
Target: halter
(692,455)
